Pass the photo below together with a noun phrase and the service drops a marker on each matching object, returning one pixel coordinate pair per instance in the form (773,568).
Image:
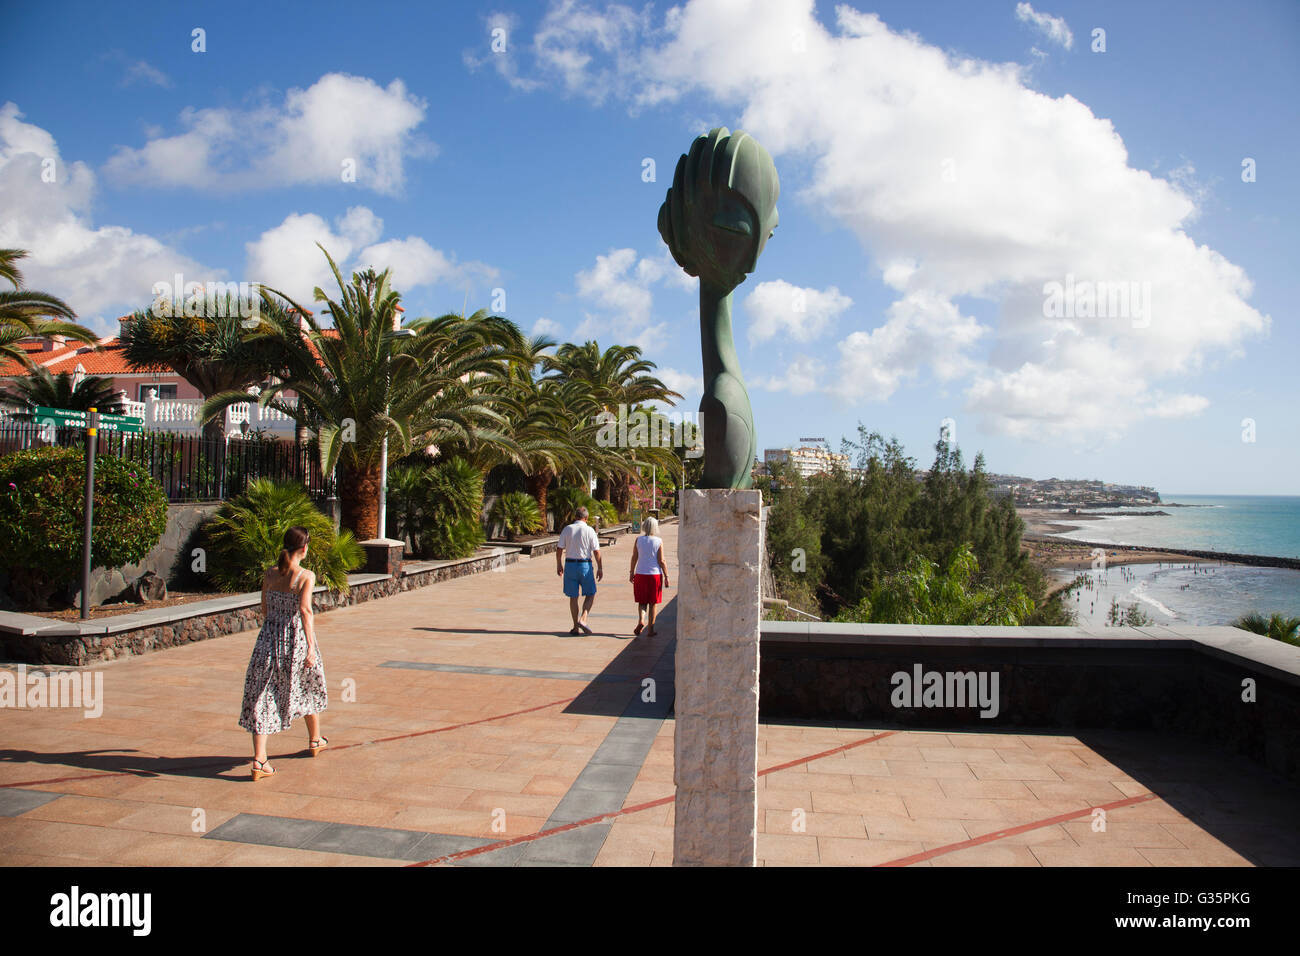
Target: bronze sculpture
(716,218)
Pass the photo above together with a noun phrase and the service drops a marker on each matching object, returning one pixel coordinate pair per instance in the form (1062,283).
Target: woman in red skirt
(648,574)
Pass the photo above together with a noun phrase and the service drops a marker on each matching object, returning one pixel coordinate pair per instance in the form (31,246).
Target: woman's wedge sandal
(260,769)
(316,746)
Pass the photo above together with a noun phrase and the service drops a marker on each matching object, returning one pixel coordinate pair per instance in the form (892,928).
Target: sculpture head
(721,208)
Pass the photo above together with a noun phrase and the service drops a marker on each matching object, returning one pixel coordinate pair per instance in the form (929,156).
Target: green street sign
(73,418)
(61,414)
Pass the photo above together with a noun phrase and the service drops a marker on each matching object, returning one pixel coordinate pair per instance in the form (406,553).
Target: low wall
(38,640)
(1194,680)
(167,559)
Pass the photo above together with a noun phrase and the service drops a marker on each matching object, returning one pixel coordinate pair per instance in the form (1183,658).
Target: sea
(1202,592)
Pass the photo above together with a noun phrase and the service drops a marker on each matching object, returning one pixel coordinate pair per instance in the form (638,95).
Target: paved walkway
(467,728)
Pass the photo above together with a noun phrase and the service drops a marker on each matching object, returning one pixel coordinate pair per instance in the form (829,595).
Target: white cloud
(802,314)
(544,326)
(1054,28)
(101,271)
(803,375)
(309,138)
(138,71)
(500,52)
(618,290)
(285,257)
(960,182)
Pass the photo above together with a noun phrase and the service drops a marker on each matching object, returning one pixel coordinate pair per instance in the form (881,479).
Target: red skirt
(648,588)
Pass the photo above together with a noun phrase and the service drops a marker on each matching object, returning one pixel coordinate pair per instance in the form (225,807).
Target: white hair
(650,526)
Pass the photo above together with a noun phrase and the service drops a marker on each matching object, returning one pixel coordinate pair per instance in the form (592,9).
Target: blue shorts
(578,575)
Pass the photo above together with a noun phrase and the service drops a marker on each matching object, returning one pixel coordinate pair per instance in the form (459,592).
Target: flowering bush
(42,502)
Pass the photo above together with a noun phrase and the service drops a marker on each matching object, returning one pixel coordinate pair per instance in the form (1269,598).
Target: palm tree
(359,383)
(617,376)
(1277,626)
(208,351)
(61,391)
(24,313)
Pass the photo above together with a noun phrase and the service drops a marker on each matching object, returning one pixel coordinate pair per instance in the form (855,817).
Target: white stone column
(719,563)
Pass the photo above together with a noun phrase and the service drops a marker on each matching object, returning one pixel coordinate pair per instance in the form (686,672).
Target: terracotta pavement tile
(930,768)
(986,740)
(163,850)
(1056,855)
(1235,838)
(622,855)
(1028,810)
(1154,811)
(814,823)
(1121,833)
(794,848)
(928,830)
(960,754)
(48,838)
(548,784)
(417,793)
(1161,856)
(988,854)
(476,779)
(954,808)
(489,801)
(1053,835)
(631,832)
(89,810)
(784,799)
(646,789)
(816,782)
(900,785)
(987,789)
(1096,793)
(343,810)
(858,803)
(840,851)
(850,763)
(448,820)
(1014,771)
(660,816)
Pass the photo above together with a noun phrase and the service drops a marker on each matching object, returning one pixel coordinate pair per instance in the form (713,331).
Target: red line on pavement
(1012,831)
(219,763)
(530,837)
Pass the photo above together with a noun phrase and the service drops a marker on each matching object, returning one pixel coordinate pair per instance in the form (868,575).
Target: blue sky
(941,165)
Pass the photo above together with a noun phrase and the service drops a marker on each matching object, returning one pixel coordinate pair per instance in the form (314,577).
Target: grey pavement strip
(385,842)
(504,671)
(15,802)
(604,783)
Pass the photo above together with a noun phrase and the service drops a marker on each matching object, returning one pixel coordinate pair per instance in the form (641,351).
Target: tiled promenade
(467,728)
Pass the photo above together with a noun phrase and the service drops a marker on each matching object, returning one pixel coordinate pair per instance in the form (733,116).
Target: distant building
(808,459)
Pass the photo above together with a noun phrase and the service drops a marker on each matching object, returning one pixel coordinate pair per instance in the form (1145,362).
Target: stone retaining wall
(1192,680)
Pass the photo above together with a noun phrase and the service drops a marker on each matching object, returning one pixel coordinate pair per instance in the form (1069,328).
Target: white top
(647,550)
(579,540)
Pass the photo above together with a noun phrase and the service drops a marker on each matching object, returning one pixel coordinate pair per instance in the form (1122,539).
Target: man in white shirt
(579,546)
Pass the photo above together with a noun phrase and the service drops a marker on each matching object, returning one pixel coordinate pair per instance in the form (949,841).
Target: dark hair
(294,539)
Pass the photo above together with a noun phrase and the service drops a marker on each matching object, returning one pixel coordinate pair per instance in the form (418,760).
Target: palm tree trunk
(602,489)
(359,491)
(621,494)
(537,483)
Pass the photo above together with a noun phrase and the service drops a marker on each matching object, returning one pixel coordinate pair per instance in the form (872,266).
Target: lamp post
(382,531)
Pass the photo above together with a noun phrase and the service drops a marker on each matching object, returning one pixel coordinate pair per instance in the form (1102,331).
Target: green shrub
(565,502)
(518,513)
(246,535)
(42,517)
(451,520)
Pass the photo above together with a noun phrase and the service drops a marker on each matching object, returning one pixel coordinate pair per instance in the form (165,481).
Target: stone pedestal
(383,556)
(719,562)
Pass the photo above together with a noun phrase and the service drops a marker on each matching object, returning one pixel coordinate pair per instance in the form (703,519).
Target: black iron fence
(189,467)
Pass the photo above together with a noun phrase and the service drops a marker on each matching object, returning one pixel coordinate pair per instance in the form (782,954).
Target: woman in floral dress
(286,676)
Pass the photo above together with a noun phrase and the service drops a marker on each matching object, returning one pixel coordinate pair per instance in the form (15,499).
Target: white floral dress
(279,685)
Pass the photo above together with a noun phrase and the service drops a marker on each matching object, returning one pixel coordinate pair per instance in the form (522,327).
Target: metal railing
(188,467)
